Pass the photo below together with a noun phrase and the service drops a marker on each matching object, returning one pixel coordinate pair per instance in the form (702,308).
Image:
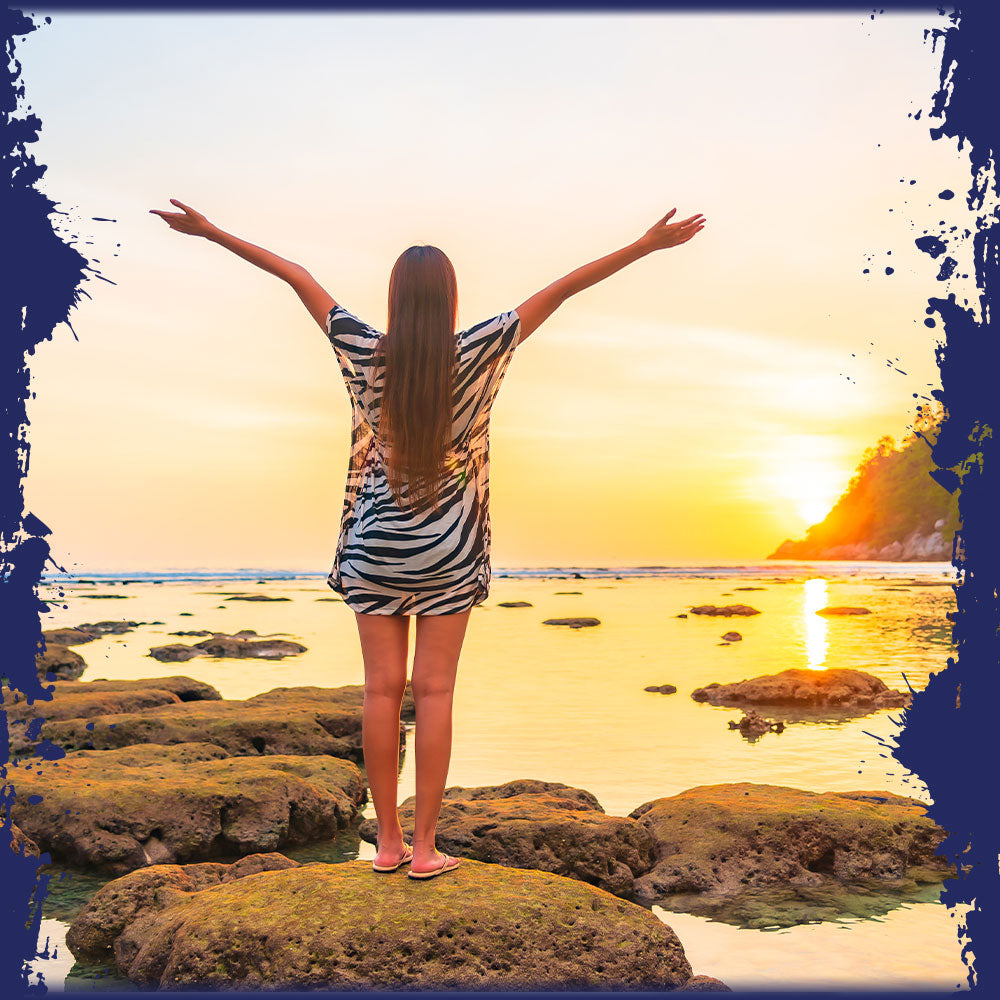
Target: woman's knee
(385,686)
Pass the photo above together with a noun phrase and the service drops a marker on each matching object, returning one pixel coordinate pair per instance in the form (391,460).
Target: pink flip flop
(448,864)
(405,859)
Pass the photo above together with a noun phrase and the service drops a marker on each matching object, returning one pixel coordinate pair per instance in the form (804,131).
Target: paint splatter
(948,733)
(43,279)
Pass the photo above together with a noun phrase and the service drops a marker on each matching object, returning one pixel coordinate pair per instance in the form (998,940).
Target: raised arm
(314,297)
(534,311)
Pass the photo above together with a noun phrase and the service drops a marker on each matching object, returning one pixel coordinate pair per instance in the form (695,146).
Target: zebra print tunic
(395,559)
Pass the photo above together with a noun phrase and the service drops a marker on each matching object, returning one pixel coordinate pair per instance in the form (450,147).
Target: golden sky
(698,407)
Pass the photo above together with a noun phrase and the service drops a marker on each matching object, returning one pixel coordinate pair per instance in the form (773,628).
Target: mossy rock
(722,840)
(798,687)
(543,825)
(122,809)
(346,697)
(725,610)
(60,662)
(117,903)
(285,724)
(345,927)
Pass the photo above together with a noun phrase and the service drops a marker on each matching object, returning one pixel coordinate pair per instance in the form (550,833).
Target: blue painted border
(946,734)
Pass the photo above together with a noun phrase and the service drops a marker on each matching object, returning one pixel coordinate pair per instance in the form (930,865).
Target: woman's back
(397,557)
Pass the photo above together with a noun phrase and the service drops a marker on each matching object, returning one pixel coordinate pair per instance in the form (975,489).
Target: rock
(515,604)
(199,631)
(704,984)
(833,688)
(116,904)
(103,597)
(726,839)
(255,597)
(844,611)
(83,704)
(68,636)
(241,644)
(727,610)
(346,698)
(568,593)
(283,724)
(661,688)
(186,688)
(537,824)
(753,725)
(118,627)
(749,588)
(101,808)
(21,845)
(732,637)
(332,926)
(573,622)
(680,616)
(59,662)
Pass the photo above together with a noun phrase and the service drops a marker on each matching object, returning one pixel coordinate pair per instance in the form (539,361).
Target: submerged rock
(732,637)
(661,688)
(537,824)
(844,611)
(726,610)
(122,809)
(343,927)
(724,839)
(573,622)
(515,604)
(753,725)
(244,643)
(839,687)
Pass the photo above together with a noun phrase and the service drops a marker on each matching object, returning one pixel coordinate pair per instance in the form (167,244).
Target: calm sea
(537,701)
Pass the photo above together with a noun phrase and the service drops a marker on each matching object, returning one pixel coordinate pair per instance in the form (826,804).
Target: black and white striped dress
(394,559)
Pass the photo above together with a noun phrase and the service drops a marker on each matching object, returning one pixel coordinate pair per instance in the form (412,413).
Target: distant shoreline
(771,568)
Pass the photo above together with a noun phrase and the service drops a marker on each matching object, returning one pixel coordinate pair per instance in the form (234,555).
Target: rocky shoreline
(186,801)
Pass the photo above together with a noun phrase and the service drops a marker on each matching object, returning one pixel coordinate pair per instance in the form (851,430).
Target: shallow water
(568,705)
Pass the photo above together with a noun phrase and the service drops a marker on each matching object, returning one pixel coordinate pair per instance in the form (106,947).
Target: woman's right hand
(186,221)
(665,234)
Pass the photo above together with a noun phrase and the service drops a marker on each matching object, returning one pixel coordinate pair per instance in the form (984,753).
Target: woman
(415,527)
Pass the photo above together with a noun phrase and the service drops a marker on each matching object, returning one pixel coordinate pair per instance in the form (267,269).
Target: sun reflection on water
(816,625)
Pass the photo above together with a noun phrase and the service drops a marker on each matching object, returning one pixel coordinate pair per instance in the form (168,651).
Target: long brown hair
(418,350)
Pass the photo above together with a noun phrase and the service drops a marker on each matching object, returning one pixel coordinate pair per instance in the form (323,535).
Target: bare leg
(384,646)
(435,664)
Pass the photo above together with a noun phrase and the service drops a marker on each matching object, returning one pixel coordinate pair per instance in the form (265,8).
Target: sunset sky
(698,407)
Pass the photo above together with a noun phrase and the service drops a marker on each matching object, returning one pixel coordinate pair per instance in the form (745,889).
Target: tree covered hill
(892,509)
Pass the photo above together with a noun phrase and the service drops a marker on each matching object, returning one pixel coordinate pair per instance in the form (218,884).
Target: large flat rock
(122,809)
(284,721)
(543,825)
(838,688)
(345,927)
(727,839)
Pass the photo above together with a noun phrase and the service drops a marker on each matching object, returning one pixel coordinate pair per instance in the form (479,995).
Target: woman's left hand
(187,221)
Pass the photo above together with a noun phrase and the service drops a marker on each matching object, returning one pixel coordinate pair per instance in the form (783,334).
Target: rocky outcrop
(840,688)
(122,809)
(537,824)
(332,926)
(115,905)
(917,546)
(245,643)
(307,720)
(725,839)
(726,610)
(58,662)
